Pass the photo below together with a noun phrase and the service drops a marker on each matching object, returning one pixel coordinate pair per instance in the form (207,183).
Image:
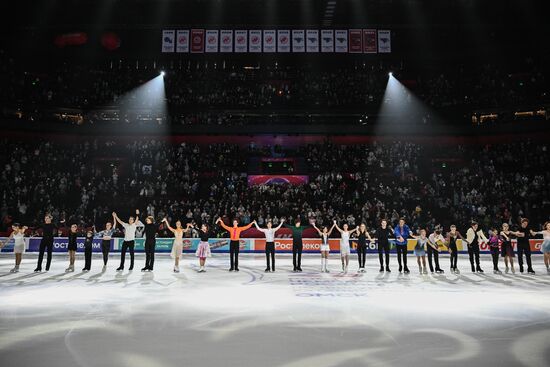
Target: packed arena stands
(428,182)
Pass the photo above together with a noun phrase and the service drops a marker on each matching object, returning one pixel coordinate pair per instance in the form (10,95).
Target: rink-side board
(311,245)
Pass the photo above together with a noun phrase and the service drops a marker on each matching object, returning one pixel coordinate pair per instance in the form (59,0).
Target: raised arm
(279,226)
(221,223)
(244,228)
(168,225)
(335,225)
(117,219)
(139,223)
(318,230)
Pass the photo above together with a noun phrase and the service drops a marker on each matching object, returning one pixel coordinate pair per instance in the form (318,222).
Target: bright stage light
(162,73)
(390,74)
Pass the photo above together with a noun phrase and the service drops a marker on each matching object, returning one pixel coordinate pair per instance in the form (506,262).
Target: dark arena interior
(278,183)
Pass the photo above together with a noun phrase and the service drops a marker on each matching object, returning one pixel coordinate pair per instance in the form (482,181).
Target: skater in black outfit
(473,238)
(88,245)
(362,237)
(150,243)
(383,234)
(46,244)
(451,239)
(523,246)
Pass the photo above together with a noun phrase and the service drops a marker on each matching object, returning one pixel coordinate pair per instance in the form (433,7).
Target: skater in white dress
(345,249)
(325,247)
(19,246)
(177,247)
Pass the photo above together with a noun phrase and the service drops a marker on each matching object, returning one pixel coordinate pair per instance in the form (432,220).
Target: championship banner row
(311,245)
(370,41)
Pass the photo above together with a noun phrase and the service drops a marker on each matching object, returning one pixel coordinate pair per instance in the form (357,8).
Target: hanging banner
(197,40)
(269,40)
(168,40)
(241,41)
(341,40)
(327,40)
(369,41)
(212,36)
(312,40)
(298,40)
(355,41)
(182,41)
(226,40)
(283,41)
(384,41)
(255,41)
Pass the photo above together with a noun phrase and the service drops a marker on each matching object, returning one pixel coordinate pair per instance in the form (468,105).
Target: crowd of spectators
(84,181)
(194,89)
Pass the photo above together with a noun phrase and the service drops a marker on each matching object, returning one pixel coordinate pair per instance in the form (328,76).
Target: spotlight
(390,74)
(162,73)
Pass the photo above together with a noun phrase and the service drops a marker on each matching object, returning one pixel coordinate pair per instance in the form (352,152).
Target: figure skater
(203,250)
(435,239)
(106,235)
(72,247)
(46,243)
(269,233)
(420,250)
(88,247)
(129,238)
(150,243)
(325,247)
(234,241)
(297,243)
(19,247)
(524,247)
(507,248)
(177,247)
(474,237)
(402,232)
(452,236)
(344,244)
(383,234)
(545,247)
(362,236)
(494,245)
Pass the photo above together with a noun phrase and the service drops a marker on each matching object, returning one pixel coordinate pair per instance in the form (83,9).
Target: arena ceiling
(318,13)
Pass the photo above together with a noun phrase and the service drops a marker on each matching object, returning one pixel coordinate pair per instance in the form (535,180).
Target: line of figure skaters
(430,245)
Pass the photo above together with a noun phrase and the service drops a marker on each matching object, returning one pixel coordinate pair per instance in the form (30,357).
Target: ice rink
(281,319)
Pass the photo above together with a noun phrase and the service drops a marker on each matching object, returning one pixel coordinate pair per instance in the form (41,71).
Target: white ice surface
(280,319)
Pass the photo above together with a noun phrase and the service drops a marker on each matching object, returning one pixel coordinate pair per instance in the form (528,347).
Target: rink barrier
(221,245)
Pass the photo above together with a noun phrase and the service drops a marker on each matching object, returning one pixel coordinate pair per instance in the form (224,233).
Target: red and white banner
(312,40)
(369,41)
(226,40)
(327,40)
(283,40)
(270,42)
(355,41)
(197,40)
(255,41)
(384,41)
(168,40)
(341,40)
(298,40)
(182,41)
(241,41)
(212,36)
